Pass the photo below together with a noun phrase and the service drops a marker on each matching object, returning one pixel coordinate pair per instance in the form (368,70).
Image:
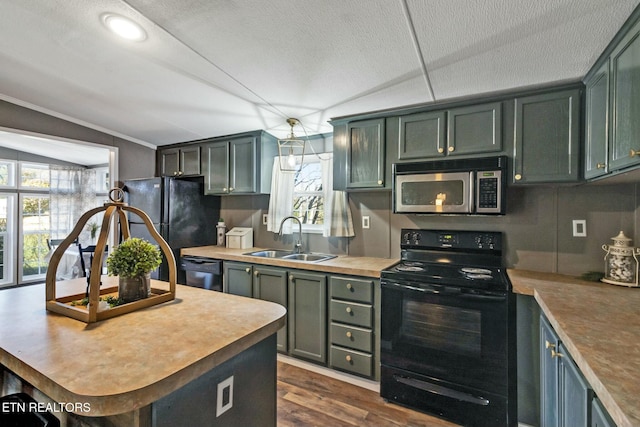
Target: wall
(135,160)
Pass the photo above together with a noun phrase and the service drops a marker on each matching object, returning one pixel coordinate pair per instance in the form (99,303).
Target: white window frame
(311,228)
(8,257)
(13,167)
(21,234)
(35,165)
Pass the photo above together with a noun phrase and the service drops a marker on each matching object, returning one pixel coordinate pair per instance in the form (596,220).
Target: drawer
(360,290)
(351,312)
(352,361)
(352,337)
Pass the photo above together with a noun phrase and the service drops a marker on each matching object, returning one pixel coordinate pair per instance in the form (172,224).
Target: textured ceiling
(217,67)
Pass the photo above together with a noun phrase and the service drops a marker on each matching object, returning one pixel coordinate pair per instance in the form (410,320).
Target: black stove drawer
(351,312)
(351,289)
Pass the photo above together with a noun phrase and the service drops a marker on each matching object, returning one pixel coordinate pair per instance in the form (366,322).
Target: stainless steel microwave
(457,186)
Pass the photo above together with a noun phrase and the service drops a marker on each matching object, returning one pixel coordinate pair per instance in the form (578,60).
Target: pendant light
(289,149)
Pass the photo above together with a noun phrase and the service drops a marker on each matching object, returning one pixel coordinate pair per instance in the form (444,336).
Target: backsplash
(537,227)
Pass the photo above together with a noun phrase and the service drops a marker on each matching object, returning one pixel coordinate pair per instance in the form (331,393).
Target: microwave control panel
(488,191)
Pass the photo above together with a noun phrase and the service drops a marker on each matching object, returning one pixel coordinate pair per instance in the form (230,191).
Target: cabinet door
(625,101)
(575,393)
(242,170)
(308,316)
(421,135)
(547,134)
(548,376)
(237,278)
(270,284)
(597,116)
(190,161)
(365,154)
(599,415)
(474,129)
(215,165)
(170,163)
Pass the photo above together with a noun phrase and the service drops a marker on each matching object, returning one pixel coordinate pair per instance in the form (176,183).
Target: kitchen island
(600,326)
(146,367)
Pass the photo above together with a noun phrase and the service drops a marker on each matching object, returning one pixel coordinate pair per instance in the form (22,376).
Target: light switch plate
(366,222)
(224,400)
(579,228)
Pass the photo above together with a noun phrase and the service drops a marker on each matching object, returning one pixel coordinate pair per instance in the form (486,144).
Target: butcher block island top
(124,363)
(341,264)
(600,326)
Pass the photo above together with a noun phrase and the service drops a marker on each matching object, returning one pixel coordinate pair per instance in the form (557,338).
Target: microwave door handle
(472,191)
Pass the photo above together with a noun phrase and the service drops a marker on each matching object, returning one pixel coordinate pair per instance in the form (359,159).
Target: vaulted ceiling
(217,67)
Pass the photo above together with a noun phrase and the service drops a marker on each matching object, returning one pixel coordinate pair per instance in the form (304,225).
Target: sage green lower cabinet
(237,278)
(353,320)
(599,416)
(566,396)
(308,315)
(270,284)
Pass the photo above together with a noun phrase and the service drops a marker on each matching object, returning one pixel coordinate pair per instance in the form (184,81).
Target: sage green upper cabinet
(180,161)
(421,135)
(596,126)
(625,101)
(474,129)
(366,154)
(240,165)
(457,131)
(547,137)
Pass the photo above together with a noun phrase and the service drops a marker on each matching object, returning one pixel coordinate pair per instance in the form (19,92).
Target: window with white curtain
(308,196)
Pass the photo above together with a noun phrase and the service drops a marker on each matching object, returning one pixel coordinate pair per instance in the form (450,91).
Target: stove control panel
(439,239)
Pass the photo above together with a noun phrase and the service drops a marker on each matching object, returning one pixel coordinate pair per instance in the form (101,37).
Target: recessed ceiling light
(123,27)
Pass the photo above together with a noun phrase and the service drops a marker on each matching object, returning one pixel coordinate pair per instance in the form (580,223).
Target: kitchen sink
(270,253)
(308,257)
(290,255)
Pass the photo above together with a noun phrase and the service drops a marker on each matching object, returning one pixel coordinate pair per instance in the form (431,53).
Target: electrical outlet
(366,223)
(265,219)
(224,400)
(579,228)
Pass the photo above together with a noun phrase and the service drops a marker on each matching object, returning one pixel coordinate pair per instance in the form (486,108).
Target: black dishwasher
(202,272)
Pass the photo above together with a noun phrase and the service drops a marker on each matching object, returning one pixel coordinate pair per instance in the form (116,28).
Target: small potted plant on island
(133,261)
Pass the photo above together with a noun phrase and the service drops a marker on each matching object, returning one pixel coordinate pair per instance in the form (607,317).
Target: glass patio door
(7,233)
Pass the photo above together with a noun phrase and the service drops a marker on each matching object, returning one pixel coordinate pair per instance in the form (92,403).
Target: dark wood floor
(307,398)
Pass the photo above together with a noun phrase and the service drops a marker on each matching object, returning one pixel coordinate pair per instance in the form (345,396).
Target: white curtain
(72,192)
(281,199)
(338,221)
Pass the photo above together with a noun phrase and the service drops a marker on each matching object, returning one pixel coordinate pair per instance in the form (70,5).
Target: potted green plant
(93,228)
(133,261)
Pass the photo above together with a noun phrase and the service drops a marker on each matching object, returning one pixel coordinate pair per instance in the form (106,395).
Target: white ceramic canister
(621,262)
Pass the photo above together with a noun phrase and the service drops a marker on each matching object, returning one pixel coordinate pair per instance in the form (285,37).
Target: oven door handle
(480,297)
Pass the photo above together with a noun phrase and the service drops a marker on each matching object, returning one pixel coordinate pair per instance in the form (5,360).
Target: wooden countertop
(600,326)
(124,363)
(356,266)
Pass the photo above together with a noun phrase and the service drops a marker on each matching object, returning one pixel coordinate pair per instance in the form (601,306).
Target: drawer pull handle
(224,189)
(440,150)
(633,153)
(348,358)
(349,310)
(379,182)
(349,334)
(248,270)
(518,177)
(349,286)
(547,344)
(256,273)
(452,149)
(600,166)
(556,354)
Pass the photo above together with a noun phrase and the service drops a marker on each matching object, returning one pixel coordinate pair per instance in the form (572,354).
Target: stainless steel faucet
(297,247)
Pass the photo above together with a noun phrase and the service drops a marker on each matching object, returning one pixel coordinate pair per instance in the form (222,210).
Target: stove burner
(471,270)
(410,266)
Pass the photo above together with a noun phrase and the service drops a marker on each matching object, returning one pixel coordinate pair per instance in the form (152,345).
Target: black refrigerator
(179,211)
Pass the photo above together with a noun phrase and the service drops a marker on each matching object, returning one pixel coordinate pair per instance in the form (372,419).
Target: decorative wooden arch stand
(91,313)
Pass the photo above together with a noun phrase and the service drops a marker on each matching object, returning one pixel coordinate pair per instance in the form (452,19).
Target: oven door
(449,334)
(433,193)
